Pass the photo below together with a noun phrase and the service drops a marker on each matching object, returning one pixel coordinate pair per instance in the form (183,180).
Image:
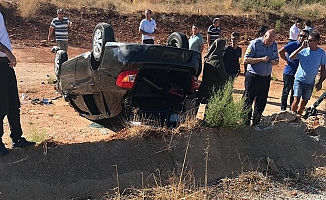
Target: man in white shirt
(295,31)
(147,28)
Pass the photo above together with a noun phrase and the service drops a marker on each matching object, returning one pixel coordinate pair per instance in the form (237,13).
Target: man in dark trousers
(9,100)
(260,56)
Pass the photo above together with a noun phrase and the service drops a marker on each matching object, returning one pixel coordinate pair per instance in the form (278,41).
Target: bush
(223,110)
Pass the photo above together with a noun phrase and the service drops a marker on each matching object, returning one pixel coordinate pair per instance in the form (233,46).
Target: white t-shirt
(294,32)
(148,27)
(4,38)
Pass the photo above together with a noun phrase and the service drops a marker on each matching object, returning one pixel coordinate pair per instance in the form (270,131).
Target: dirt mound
(90,170)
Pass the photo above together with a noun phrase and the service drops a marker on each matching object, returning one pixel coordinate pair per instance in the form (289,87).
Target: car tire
(60,57)
(179,40)
(102,34)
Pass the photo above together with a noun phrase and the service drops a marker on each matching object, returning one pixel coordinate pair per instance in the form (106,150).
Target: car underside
(152,79)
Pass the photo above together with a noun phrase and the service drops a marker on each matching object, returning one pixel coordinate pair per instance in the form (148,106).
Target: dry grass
(200,7)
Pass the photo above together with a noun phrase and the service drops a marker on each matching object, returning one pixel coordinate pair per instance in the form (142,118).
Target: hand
(318,86)
(265,59)
(274,62)
(305,44)
(12,59)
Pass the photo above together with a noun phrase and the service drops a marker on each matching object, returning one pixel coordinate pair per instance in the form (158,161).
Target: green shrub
(278,25)
(275,4)
(223,110)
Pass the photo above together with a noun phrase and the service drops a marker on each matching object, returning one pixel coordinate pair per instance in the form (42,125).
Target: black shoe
(3,149)
(22,143)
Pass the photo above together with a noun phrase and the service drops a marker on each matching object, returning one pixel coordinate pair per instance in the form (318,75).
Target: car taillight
(126,79)
(194,83)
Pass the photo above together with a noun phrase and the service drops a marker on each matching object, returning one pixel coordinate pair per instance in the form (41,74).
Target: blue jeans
(302,90)
(288,81)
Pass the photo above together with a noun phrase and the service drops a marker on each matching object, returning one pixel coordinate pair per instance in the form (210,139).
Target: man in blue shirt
(290,67)
(196,40)
(311,58)
(260,56)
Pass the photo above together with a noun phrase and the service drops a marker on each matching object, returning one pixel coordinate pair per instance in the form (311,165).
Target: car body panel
(90,86)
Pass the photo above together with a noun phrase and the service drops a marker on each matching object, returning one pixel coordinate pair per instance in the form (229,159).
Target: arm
(294,54)
(9,55)
(282,52)
(255,60)
(201,48)
(50,33)
(322,78)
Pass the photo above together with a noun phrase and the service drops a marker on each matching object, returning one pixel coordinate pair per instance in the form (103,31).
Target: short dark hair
(235,34)
(305,31)
(308,22)
(149,10)
(262,30)
(216,19)
(298,21)
(60,10)
(316,35)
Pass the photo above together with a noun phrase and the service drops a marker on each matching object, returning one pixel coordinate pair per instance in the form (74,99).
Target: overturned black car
(118,77)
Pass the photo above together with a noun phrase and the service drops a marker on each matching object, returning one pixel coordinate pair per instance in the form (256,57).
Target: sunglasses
(312,40)
(303,36)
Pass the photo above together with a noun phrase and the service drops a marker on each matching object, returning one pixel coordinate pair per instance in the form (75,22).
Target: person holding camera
(311,58)
(259,57)
(290,67)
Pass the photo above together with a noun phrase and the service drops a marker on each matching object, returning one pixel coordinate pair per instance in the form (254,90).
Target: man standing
(60,26)
(196,40)
(231,56)
(290,67)
(311,58)
(260,56)
(9,100)
(147,28)
(294,31)
(213,32)
(308,26)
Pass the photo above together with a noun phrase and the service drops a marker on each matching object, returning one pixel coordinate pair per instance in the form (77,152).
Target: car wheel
(103,33)
(60,57)
(179,40)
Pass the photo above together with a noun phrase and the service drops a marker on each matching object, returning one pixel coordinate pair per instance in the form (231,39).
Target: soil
(57,121)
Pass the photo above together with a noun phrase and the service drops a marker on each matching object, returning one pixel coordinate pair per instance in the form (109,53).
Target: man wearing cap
(213,32)
(260,56)
(60,26)
(9,100)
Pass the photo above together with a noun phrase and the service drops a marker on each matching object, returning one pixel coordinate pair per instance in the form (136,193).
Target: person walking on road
(9,100)
(290,67)
(148,28)
(260,56)
(60,26)
(311,59)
